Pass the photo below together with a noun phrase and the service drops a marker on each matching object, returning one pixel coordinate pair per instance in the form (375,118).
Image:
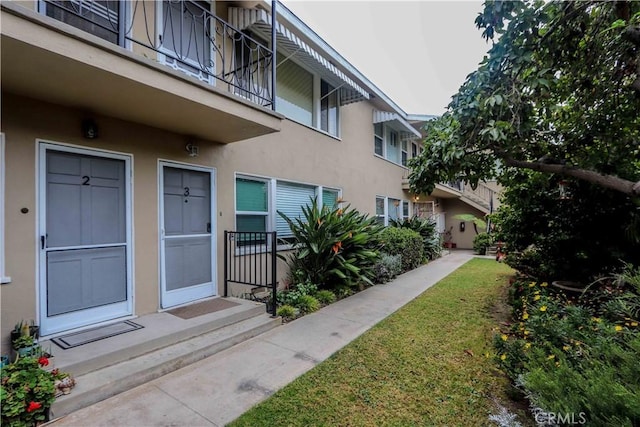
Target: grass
(424,365)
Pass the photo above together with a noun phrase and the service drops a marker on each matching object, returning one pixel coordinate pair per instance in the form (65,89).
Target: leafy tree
(558,92)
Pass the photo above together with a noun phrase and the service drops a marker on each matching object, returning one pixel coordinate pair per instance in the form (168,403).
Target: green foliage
(481,242)
(326,297)
(427,229)
(333,247)
(26,392)
(308,304)
(406,243)
(287,312)
(479,224)
(571,355)
(557,92)
(387,268)
(551,238)
(293,295)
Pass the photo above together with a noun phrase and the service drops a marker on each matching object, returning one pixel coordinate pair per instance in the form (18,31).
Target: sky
(417,52)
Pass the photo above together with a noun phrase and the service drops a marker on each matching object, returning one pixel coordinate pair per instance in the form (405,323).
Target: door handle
(43,241)
(208,227)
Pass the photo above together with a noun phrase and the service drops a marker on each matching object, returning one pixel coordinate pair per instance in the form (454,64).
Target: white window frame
(272,201)
(3,278)
(390,137)
(316,102)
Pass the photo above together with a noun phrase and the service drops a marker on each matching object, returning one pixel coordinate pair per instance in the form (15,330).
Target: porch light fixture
(89,129)
(192,149)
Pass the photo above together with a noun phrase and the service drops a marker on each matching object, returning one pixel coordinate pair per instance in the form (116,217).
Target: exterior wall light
(89,129)
(192,149)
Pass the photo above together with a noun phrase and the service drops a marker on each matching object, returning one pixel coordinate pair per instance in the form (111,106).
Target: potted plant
(24,338)
(27,392)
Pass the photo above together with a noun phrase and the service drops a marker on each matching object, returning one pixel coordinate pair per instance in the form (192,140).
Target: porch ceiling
(71,68)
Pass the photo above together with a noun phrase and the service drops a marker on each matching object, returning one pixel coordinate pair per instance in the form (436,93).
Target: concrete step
(99,384)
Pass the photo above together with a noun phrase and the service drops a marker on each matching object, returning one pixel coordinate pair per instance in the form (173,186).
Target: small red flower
(43,361)
(33,406)
(337,247)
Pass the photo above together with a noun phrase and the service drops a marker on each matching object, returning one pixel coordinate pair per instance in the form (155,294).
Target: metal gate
(250,259)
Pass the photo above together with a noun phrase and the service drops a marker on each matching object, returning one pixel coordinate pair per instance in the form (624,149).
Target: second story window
(328,108)
(100,18)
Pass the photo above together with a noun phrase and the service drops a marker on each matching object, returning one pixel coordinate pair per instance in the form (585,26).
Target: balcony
(481,198)
(174,65)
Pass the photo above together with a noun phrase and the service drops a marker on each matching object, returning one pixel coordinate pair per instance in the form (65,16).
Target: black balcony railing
(183,34)
(250,260)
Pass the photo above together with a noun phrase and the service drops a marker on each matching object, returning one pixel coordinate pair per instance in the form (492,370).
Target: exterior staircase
(113,365)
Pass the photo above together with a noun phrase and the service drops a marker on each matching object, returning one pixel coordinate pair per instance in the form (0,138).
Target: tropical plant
(478,223)
(333,247)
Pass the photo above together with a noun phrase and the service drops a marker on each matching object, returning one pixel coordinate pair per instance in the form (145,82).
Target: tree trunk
(611,182)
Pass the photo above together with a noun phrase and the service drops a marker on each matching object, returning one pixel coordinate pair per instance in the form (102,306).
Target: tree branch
(611,182)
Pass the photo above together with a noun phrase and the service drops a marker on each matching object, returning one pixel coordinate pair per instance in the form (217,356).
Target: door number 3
(186,194)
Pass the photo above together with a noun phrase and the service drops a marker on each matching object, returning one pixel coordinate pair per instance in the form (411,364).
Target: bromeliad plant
(333,247)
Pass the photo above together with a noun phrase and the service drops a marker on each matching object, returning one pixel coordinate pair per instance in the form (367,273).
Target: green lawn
(424,365)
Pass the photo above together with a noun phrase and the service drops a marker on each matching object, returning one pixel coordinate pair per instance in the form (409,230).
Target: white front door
(84,239)
(187,243)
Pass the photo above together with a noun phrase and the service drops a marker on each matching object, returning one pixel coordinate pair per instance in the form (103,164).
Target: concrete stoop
(129,366)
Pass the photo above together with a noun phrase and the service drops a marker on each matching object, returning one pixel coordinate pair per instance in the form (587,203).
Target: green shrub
(481,242)
(292,295)
(308,304)
(287,312)
(431,239)
(406,243)
(576,354)
(326,297)
(387,267)
(333,247)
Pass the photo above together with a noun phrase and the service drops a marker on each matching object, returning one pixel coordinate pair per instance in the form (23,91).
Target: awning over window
(259,22)
(397,122)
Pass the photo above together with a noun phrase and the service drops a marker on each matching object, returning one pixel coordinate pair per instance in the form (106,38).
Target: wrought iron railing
(250,259)
(183,34)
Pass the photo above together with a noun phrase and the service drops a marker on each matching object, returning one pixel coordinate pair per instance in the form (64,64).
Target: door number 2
(86,180)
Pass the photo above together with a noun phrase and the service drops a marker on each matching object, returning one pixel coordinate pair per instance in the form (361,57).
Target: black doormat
(90,335)
(200,308)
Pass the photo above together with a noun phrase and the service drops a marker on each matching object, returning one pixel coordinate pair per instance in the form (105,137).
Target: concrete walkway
(219,389)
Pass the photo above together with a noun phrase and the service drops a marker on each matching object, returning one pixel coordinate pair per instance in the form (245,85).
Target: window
(328,108)
(258,201)
(330,198)
(290,198)
(294,87)
(99,18)
(388,208)
(378,138)
(297,99)
(414,150)
(405,155)
(381,215)
(252,205)
(185,37)
(392,146)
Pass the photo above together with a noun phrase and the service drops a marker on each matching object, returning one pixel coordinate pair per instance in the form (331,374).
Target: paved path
(219,389)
